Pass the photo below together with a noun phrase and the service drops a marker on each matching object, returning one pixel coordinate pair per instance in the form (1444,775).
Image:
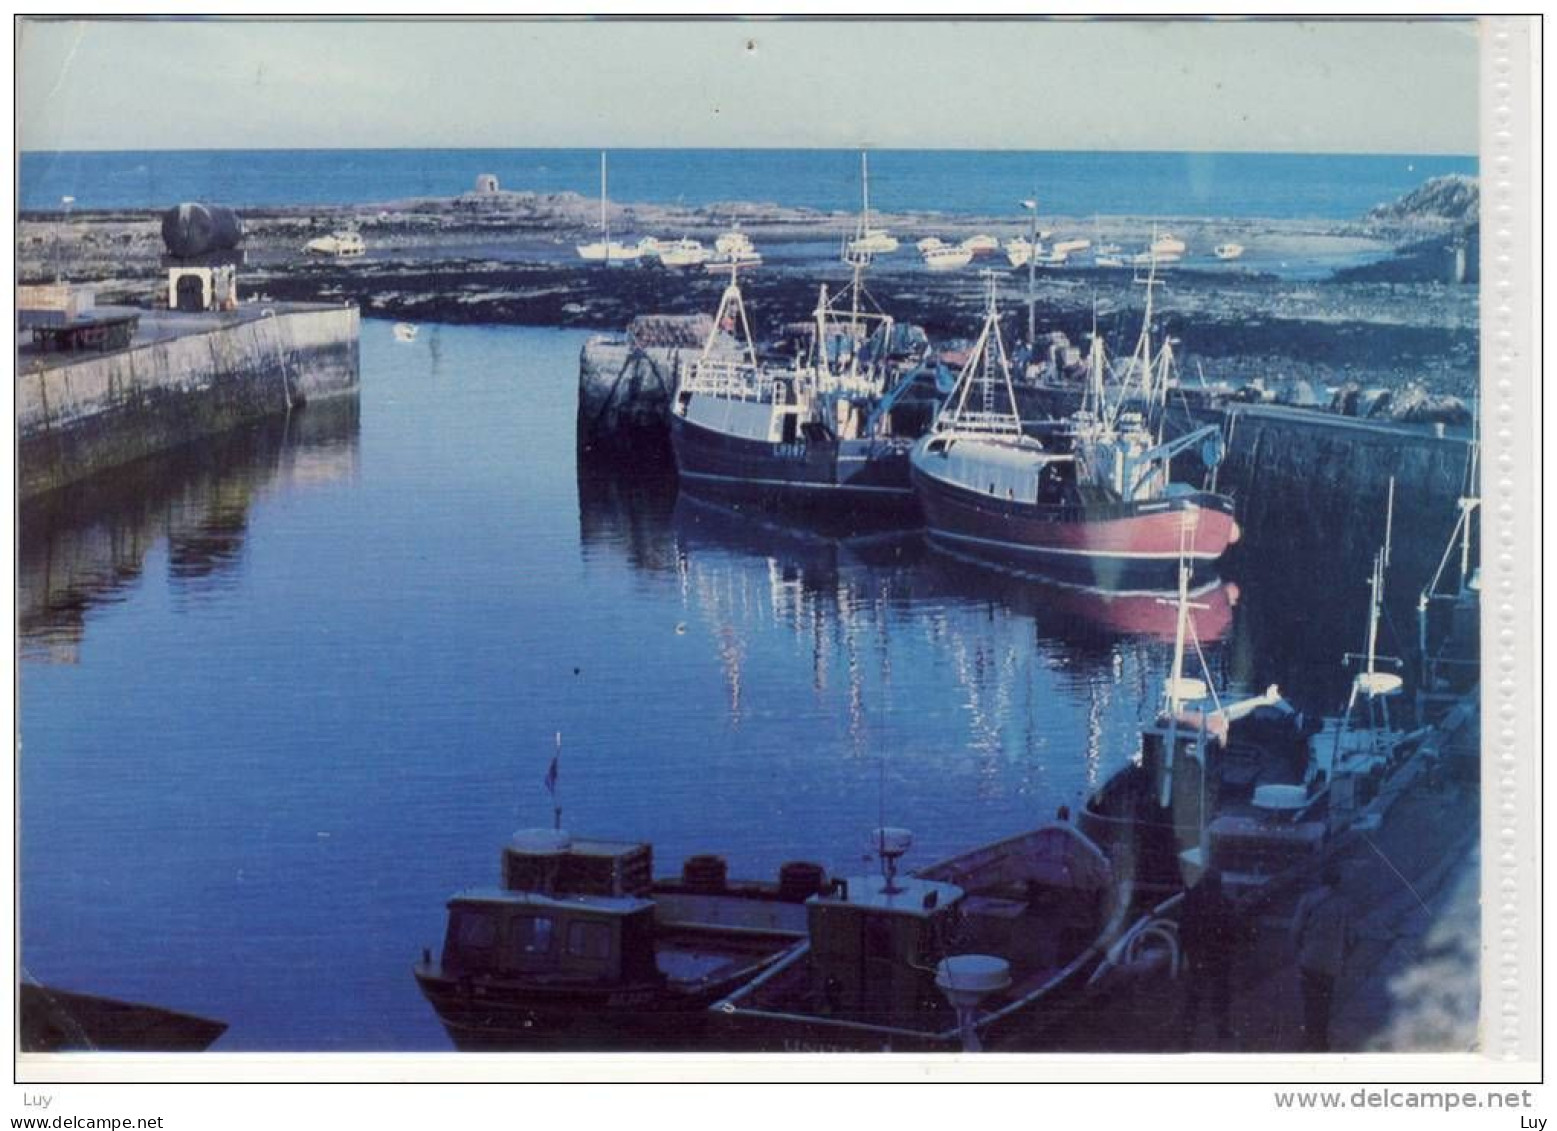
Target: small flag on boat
(551,773)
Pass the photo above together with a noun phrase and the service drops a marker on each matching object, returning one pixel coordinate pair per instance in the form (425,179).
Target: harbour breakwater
(185,377)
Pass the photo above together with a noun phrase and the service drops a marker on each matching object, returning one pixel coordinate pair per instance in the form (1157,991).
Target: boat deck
(692,959)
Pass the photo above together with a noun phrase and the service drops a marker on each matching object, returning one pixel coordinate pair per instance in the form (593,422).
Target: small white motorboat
(1229,250)
(341,245)
(948,258)
(738,258)
(1166,245)
(930,243)
(405,332)
(734,242)
(875,241)
(981,244)
(1067,246)
(683,253)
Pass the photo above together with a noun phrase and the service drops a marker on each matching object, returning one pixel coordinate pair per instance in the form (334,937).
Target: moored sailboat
(605,249)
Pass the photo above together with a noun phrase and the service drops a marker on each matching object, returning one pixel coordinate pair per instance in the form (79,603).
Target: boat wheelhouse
(980,951)
(579,946)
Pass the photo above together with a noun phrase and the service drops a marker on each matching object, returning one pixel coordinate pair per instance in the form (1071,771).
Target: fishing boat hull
(493,1016)
(1110,546)
(738,1029)
(869,979)
(55,1020)
(871,473)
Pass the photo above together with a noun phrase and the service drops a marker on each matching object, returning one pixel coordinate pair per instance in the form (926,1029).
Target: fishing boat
(978,952)
(1095,503)
(605,249)
(1448,611)
(579,947)
(343,244)
(817,432)
(868,241)
(1228,250)
(1286,828)
(1197,755)
(952,258)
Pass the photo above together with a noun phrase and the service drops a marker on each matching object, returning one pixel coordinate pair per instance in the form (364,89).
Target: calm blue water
(953,181)
(282,695)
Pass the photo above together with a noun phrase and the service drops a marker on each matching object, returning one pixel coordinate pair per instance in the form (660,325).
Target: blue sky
(1314,86)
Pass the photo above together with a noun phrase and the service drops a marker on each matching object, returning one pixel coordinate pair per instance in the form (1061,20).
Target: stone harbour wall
(94,412)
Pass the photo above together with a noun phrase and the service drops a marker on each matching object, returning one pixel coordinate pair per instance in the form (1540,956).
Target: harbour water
(284,693)
(965,182)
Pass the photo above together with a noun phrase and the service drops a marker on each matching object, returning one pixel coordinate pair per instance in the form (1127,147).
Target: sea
(955,182)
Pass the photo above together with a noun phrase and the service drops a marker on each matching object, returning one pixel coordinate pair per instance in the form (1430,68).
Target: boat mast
(1092,403)
(1032,265)
(605,227)
(865,195)
(733,308)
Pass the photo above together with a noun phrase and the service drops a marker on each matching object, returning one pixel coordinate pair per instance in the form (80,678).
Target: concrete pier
(625,385)
(184,376)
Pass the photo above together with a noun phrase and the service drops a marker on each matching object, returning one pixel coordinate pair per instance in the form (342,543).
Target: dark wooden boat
(820,434)
(580,948)
(1092,503)
(980,951)
(55,1020)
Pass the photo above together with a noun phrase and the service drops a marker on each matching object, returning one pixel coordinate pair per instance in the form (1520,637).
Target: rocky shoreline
(1386,314)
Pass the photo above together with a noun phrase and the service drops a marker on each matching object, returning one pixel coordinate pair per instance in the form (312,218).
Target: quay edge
(184,377)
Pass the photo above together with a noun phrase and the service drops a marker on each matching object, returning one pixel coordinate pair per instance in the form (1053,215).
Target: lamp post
(1032,264)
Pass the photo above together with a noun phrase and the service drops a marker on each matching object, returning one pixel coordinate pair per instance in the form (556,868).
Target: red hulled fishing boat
(1094,501)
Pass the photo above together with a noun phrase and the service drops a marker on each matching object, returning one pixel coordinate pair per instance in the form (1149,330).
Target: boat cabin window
(471,943)
(589,940)
(530,940)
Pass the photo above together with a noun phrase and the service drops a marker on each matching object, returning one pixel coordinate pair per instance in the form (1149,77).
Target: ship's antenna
(551,785)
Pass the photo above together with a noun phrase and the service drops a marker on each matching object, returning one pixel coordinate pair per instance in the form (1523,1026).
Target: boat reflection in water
(1090,613)
(86,545)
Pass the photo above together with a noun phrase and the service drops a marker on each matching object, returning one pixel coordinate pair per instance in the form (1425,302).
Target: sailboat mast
(865,194)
